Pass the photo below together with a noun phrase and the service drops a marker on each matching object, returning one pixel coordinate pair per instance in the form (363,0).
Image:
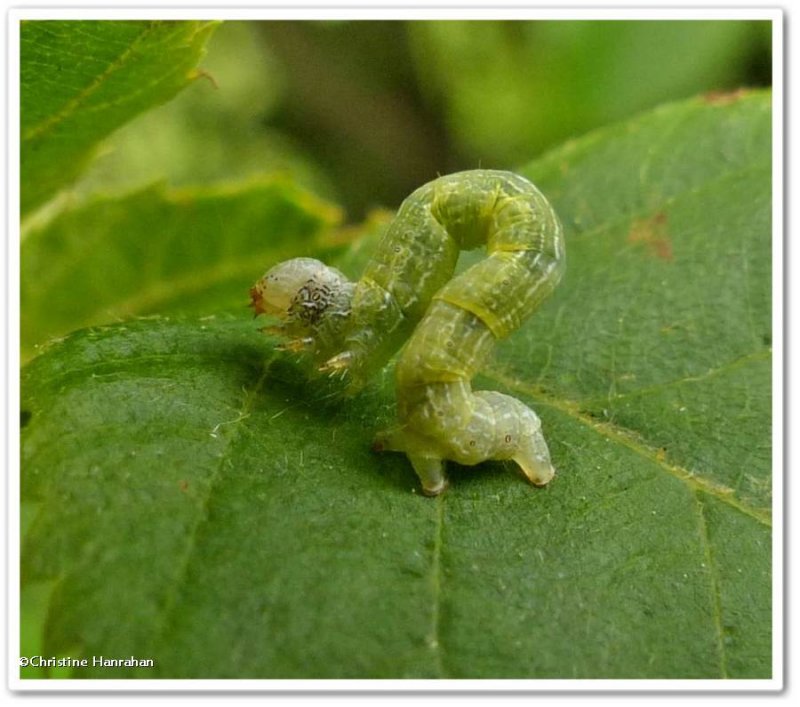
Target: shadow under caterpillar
(408,294)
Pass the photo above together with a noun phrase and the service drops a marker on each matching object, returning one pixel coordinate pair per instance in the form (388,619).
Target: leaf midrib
(434,637)
(173,591)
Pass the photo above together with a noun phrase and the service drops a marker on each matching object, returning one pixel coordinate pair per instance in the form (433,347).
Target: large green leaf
(193,501)
(663,322)
(80,80)
(160,250)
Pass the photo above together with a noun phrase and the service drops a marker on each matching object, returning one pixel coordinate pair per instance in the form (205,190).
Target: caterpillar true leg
(408,290)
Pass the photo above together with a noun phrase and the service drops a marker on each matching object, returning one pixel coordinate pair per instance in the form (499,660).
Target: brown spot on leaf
(652,233)
(724,98)
(183,484)
(663,249)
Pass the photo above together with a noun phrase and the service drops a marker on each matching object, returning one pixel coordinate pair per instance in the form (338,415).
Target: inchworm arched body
(408,293)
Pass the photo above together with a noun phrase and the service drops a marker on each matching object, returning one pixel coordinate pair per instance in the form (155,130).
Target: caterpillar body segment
(408,294)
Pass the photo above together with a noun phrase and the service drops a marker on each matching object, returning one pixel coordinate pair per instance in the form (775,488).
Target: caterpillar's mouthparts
(257,301)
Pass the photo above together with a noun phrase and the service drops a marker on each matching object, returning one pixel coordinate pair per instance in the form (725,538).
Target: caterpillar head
(311,300)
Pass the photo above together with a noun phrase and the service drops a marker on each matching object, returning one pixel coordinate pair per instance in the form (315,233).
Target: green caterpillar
(408,293)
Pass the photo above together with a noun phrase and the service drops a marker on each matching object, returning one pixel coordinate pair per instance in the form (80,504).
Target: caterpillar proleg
(408,294)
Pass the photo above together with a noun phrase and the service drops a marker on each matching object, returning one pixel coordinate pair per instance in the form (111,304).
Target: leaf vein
(625,216)
(434,636)
(173,592)
(726,367)
(49,123)
(713,576)
(626,437)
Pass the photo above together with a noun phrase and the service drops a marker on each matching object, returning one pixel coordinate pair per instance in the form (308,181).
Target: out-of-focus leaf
(80,80)
(510,89)
(216,129)
(159,250)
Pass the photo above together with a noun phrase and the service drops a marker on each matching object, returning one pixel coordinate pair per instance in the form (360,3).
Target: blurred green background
(363,112)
